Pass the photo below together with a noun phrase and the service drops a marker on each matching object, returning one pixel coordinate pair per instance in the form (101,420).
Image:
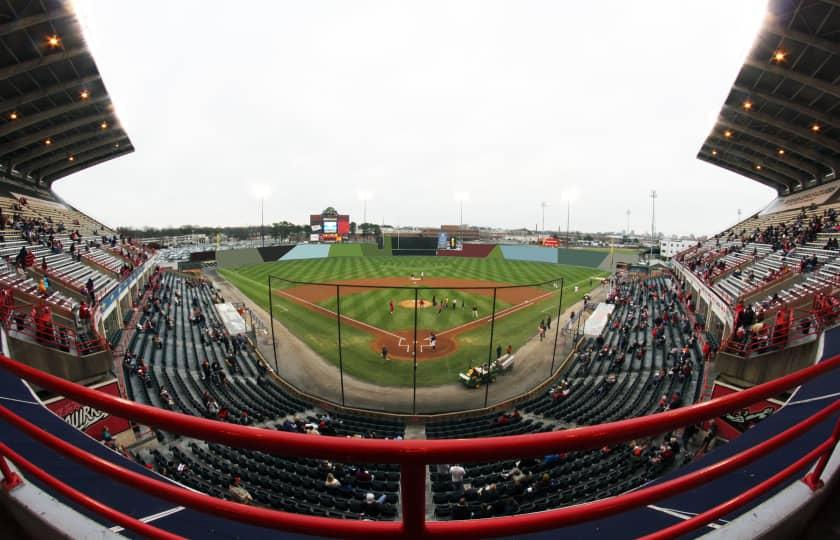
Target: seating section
(625,372)
(166,367)
(790,254)
(53,212)
(58,238)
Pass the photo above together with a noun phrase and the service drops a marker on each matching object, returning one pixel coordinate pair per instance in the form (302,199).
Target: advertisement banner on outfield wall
(84,418)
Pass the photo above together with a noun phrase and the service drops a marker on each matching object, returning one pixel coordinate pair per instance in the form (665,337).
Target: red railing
(11,480)
(414,455)
(793,330)
(18,320)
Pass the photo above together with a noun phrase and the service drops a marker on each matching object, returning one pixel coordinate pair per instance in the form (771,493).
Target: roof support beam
(15,125)
(784,125)
(51,131)
(746,165)
(789,158)
(749,174)
(23,67)
(85,165)
(42,93)
(789,146)
(828,118)
(32,20)
(771,164)
(812,41)
(98,152)
(54,157)
(818,84)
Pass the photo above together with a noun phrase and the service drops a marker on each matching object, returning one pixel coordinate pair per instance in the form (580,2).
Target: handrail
(819,452)
(414,455)
(415,451)
(124,520)
(519,524)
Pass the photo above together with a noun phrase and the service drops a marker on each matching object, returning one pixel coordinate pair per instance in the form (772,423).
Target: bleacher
(787,254)
(608,380)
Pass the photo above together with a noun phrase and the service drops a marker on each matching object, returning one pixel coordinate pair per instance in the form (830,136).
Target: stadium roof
(56,117)
(780,124)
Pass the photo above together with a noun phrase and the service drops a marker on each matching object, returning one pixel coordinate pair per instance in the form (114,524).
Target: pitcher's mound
(409,304)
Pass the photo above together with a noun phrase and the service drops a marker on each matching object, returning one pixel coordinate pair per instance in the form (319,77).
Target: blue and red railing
(413,456)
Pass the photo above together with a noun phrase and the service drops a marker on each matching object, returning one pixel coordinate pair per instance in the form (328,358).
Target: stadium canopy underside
(780,124)
(56,117)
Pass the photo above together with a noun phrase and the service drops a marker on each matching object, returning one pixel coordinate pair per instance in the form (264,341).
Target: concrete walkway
(307,371)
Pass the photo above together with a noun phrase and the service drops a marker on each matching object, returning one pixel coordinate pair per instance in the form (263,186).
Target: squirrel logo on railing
(84,417)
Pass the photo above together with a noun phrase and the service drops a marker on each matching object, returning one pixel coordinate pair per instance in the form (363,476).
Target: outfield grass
(359,358)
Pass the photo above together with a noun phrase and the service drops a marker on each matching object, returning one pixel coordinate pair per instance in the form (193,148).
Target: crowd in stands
(647,359)
(182,358)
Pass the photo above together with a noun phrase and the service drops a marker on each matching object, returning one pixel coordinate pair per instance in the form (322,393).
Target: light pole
(570,195)
(568,222)
(461,221)
(543,204)
(652,220)
(627,230)
(739,215)
(461,196)
(261,192)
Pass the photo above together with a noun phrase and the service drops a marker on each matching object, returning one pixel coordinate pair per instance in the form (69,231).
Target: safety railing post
(10,478)
(813,479)
(413,493)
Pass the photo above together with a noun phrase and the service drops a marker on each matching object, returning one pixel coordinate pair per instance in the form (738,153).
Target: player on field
(391,307)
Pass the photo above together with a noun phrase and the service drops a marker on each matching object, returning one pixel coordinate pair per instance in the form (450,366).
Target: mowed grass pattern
(359,357)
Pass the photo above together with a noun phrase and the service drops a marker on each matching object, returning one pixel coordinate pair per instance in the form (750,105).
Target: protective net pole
(490,348)
(271,321)
(340,355)
(557,327)
(414,359)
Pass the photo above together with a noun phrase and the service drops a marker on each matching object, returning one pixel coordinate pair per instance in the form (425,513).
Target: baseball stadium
(369,381)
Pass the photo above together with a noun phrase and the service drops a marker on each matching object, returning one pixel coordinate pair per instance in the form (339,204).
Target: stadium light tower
(461,196)
(569,196)
(627,230)
(261,192)
(364,196)
(543,204)
(652,220)
(739,215)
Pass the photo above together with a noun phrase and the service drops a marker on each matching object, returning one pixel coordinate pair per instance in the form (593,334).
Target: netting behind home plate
(417,344)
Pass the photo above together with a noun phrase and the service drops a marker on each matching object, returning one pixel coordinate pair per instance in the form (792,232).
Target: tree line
(280,231)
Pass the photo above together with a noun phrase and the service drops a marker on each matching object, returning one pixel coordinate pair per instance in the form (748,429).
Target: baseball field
(457,299)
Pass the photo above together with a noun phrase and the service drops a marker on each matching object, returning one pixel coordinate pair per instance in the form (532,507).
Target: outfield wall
(273,253)
(581,257)
(413,245)
(529,253)
(231,258)
(307,251)
(470,250)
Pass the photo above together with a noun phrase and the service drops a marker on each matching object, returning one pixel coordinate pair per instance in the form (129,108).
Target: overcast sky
(511,102)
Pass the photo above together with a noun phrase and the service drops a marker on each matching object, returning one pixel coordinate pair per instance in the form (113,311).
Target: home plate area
(399,345)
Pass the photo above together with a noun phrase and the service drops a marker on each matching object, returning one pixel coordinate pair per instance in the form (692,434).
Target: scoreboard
(330,228)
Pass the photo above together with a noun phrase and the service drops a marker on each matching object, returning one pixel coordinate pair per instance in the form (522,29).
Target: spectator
(456,474)
(238,493)
(461,510)
(373,506)
(332,482)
